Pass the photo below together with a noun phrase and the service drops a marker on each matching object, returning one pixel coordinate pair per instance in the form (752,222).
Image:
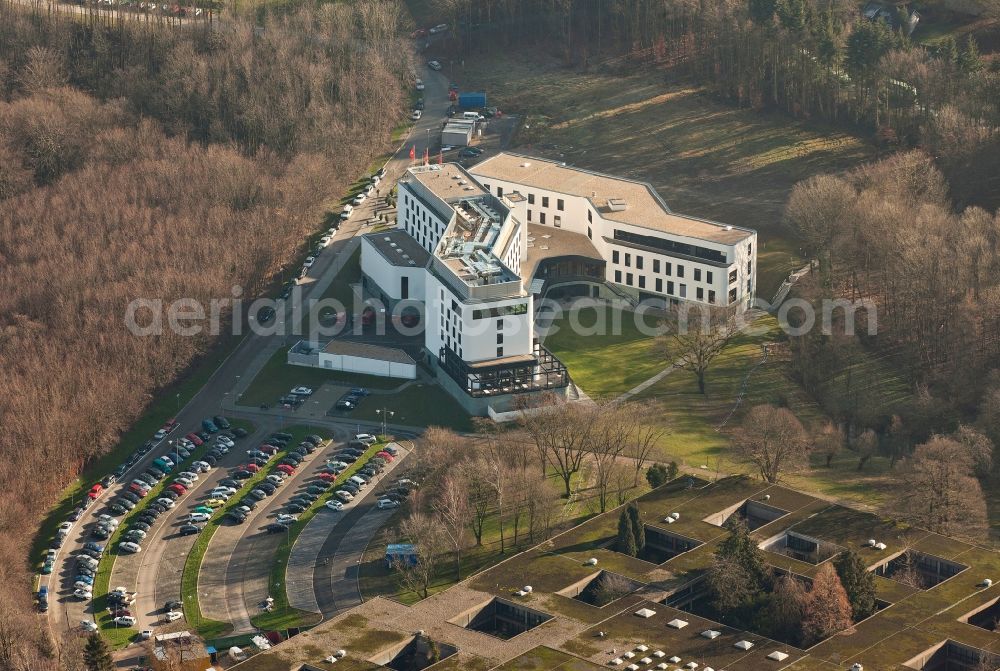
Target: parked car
(221,422)
(129,547)
(199,517)
(344,496)
(420,84)
(333,504)
(188,529)
(434,65)
(274,528)
(125,621)
(240,432)
(296,508)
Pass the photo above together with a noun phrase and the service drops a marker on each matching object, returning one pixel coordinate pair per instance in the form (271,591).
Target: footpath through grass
(206,627)
(283,615)
(116,635)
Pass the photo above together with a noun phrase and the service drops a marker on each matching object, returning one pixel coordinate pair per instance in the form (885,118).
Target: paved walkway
(307,552)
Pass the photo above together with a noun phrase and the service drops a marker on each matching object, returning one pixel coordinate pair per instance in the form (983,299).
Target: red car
(268,449)
(253,468)
(193,437)
(170,425)
(329,477)
(178,488)
(385,455)
(96,491)
(137,489)
(286,469)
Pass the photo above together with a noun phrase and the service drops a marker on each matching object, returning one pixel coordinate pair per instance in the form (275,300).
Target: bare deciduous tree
(692,342)
(773,440)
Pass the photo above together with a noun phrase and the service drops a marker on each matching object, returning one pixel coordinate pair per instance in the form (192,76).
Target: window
(529,215)
(628,260)
(700,293)
(545,201)
(732,276)
(499,352)
(590,233)
(541,217)
(670,288)
(615,256)
(684,290)
(697,274)
(670,246)
(499,325)
(732,295)
(711,296)
(590,216)
(499,192)
(454,306)
(559,204)
(531,199)
(618,277)
(642,281)
(669,269)
(708,276)
(656,265)
(638,262)
(659,285)
(516,309)
(749,266)
(499,338)
(404,287)
(557,221)
(628,279)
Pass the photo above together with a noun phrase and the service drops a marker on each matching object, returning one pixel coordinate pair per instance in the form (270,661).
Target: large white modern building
(474,249)
(648,250)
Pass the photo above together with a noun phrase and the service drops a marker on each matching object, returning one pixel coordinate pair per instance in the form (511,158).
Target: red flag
(413,152)
(440,157)
(427,155)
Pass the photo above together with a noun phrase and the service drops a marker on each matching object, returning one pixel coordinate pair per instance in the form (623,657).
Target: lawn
(610,364)
(192,565)
(705,157)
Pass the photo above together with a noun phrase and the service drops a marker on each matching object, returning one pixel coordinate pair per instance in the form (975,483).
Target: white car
(173,616)
(64,528)
(274,478)
(334,505)
(344,496)
(310,260)
(420,84)
(366,438)
(302,391)
(88,625)
(360,198)
(202,466)
(199,517)
(434,65)
(83,585)
(125,621)
(448,147)
(283,518)
(138,533)
(416,115)
(224,490)
(439,28)
(160,435)
(386,504)
(358,480)
(326,240)
(83,594)
(165,502)
(187,482)
(225,496)
(129,547)
(109,520)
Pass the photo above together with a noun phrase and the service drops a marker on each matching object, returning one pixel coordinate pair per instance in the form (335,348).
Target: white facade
(649,250)
(368,365)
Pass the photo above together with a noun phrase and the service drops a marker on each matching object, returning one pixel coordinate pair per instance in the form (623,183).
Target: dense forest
(144,161)
(814,59)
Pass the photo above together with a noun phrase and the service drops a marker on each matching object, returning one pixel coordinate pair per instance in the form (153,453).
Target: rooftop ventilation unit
(617,204)
(525,165)
(386,238)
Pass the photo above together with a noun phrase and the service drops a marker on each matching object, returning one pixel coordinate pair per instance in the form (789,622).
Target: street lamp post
(385,413)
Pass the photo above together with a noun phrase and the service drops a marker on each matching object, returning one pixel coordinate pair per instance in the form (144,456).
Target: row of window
(516,309)
(560,203)
(668,268)
(682,289)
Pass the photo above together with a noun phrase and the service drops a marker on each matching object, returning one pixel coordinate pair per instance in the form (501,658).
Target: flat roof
(399,248)
(643,206)
(447,181)
(545,242)
(366,351)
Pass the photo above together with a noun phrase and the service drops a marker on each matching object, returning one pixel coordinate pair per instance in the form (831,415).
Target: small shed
(402,553)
